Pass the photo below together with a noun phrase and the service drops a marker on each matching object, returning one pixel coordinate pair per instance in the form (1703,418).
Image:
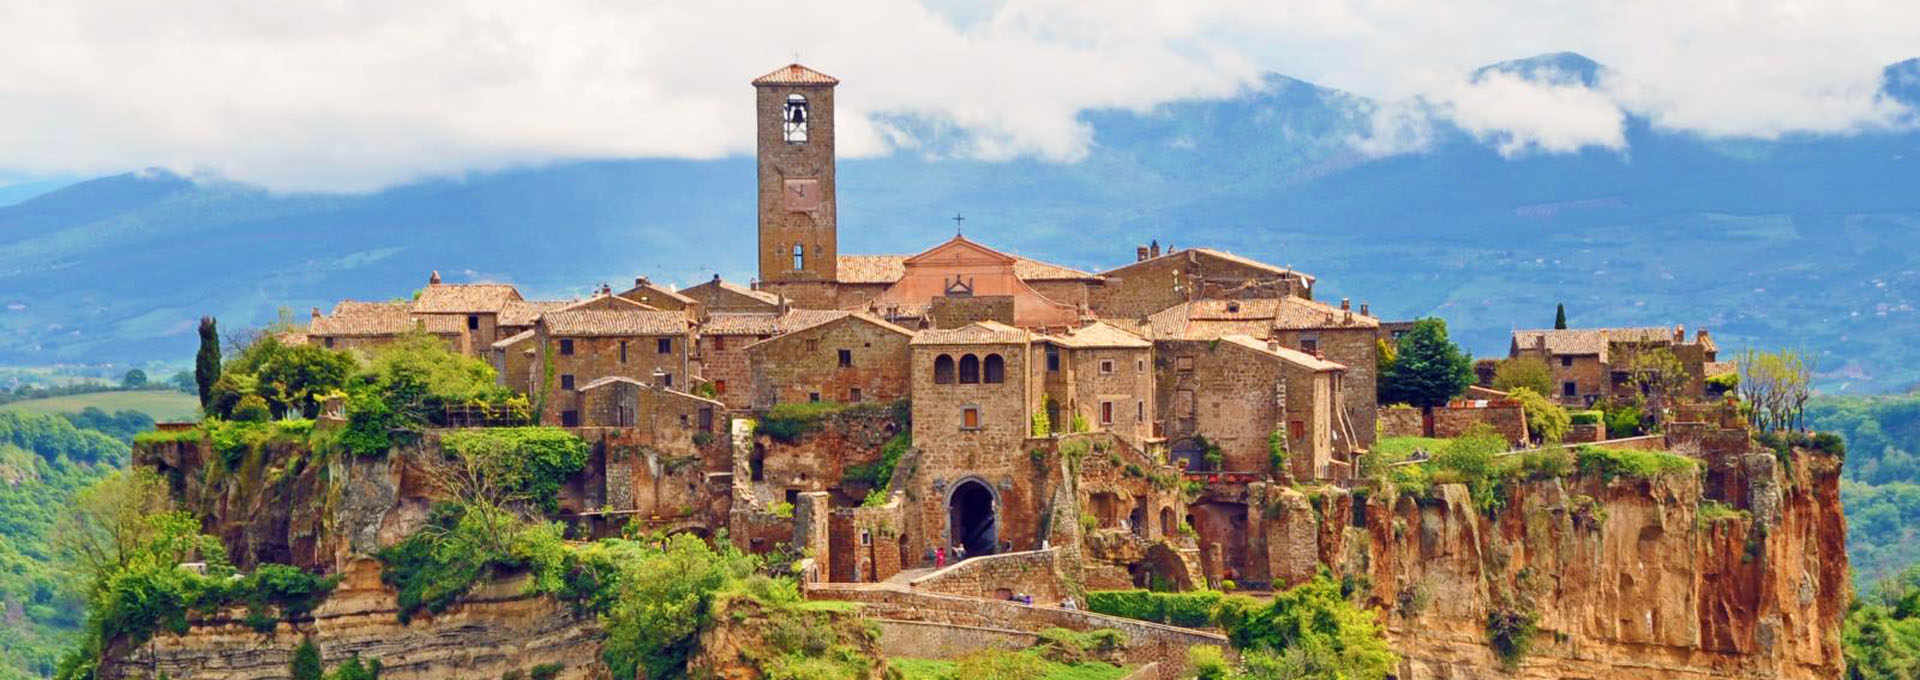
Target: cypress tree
(1560,316)
(206,364)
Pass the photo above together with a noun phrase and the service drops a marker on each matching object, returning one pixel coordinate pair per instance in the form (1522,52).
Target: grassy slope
(163,405)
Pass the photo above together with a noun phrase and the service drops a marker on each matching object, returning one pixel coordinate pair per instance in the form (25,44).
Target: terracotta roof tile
(1100,335)
(464,298)
(795,74)
(1287,354)
(753,323)
(607,322)
(525,312)
(514,339)
(1258,317)
(976,333)
(363,319)
(889,268)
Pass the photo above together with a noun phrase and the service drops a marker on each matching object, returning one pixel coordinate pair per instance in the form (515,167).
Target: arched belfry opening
(973,518)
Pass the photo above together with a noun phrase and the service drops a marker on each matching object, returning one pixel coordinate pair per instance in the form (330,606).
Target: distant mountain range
(1807,241)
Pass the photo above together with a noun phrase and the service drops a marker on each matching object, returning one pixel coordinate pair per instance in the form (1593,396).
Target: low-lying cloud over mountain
(361,95)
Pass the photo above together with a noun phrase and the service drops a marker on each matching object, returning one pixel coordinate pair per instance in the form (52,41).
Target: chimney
(1540,343)
(1679,333)
(1140,254)
(1363,309)
(1346,304)
(1154,249)
(780,307)
(1233,306)
(1273,344)
(434,277)
(316,312)
(639,281)
(1701,335)
(716,277)
(606,289)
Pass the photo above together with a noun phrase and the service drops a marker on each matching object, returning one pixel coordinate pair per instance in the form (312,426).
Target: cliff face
(1629,578)
(494,630)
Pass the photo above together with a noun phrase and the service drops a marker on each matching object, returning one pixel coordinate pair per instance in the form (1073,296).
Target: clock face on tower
(801,195)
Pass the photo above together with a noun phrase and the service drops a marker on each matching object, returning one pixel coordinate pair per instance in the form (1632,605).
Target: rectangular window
(813,397)
(623,351)
(1140,410)
(1183,364)
(706,418)
(1309,345)
(1139,365)
(1569,388)
(719,387)
(1053,358)
(853,395)
(1106,367)
(719,343)
(665,345)
(1106,413)
(570,418)
(473,322)
(1296,429)
(1566,361)
(329,343)
(666,380)
(566,381)
(846,358)
(970,418)
(566,347)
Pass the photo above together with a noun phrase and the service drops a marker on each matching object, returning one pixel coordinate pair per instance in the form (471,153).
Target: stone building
(655,296)
(1157,281)
(474,307)
(972,400)
(1236,393)
(1592,364)
(1338,334)
(722,347)
(579,346)
(718,296)
(366,325)
(1098,375)
(850,359)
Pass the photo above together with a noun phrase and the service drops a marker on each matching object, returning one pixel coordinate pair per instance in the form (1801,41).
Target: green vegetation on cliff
(1881,481)
(44,462)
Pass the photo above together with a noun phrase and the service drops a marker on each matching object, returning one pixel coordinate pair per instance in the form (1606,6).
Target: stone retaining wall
(924,640)
(1032,572)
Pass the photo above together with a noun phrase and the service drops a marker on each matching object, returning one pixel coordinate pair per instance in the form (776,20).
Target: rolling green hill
(162,405)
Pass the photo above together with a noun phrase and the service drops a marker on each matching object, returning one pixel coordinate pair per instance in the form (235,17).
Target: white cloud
(361,93)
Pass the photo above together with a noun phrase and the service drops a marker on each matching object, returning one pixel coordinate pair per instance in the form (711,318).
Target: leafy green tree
(1427,369)
(1523,372)
(1881,637)
(1560,317)
(294,378)
(183,381)
(134,379)
(111,524)
(206,363)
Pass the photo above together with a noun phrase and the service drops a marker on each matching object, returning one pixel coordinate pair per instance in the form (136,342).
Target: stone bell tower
(799,239)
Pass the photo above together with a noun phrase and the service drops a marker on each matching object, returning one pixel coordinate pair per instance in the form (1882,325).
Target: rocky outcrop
(494,630)
(1623,578)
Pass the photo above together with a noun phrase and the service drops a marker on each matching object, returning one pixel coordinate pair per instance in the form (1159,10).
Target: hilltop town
(938,433)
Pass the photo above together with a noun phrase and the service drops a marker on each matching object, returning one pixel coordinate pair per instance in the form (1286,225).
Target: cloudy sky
(355,94)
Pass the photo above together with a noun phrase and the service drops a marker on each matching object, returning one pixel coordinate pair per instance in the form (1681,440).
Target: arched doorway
(971,518)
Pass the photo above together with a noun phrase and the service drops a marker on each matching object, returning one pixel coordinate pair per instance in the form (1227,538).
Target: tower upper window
(799,257)
(793,119)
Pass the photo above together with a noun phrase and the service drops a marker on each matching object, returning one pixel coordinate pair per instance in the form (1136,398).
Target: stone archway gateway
(973,518)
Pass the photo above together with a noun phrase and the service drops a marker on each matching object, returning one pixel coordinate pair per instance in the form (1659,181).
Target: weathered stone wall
(1035,572)
(723,362)
(1357,348)
(1507,418)
(1125,386)
(781,228)
(805,365)
(1401,422)
(953,452)
(924,640)
(954,312)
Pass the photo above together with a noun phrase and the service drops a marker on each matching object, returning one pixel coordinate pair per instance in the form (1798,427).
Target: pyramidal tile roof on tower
(795,74)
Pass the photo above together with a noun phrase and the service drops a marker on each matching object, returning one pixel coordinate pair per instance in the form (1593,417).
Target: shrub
(1611,464)
(1546,420)
(529,462)
(1510,632)
(251,408)
(1208,663)
(787,422)
(1312,628)
(1589,417)
(879,474)
(1523,373)
(1624,421)
(1192,609)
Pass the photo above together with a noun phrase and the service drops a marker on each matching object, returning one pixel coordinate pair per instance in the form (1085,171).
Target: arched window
(996,369)
(969,369)
(943,370)
(793,119)
(799,257)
